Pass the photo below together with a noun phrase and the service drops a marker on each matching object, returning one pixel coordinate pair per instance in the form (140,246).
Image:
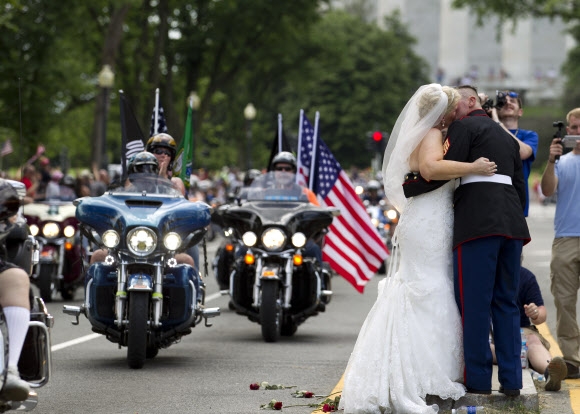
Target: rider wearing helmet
(284,167)
(15,302)
(143,163)
(164,148)
(372,193)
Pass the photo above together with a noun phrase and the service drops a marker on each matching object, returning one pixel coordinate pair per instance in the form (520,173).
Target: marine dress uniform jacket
(487,208)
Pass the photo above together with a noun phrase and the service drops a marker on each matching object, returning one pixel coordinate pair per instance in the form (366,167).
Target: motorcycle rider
(15,302)
(372,194)
(284,167)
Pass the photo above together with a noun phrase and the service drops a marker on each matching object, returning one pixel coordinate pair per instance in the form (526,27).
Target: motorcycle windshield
(146,184)
(276,186)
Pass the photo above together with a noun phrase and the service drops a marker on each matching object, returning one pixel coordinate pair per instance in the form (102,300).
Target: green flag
(184,159)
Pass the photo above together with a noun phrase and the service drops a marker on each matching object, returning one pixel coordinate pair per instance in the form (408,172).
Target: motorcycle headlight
(375,222)
(392,214)
(298,239)
(249,238)
(69,231)
(34,229)
(141,241)
(172,241)
(273,239)
(50,230)
(111,238)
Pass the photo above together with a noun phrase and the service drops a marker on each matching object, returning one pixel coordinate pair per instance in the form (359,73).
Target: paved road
(211,370)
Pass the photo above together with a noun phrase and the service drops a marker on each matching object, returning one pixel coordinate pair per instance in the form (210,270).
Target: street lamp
(250,115)
(106,79)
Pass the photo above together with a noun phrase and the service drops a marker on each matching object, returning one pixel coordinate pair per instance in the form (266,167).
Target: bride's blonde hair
(431,97)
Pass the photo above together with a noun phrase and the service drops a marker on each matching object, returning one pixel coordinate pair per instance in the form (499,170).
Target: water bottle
(470,409)
(536,376)
(524,350)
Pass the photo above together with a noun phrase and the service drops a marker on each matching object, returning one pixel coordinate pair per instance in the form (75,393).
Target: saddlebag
(178,294)
(101,281)
(34,363)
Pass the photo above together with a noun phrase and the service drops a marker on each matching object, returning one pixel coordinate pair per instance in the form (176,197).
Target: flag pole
(314,151)
(156,123)
(299,155)
(279,133)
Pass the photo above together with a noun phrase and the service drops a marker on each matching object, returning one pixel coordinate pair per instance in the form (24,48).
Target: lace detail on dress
(410,344)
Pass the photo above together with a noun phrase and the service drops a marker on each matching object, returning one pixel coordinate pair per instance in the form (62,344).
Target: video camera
(500,100)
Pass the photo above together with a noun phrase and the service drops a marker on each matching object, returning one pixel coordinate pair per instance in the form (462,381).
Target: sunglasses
(159,151)
(511,94)
(284,169)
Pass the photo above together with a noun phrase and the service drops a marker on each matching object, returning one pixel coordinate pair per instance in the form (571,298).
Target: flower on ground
(303,394)
(255,386)
(267,386)
(272,405)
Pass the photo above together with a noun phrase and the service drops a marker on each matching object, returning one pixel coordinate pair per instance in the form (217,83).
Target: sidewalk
(528,397)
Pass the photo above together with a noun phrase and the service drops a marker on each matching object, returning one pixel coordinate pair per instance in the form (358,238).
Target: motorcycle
(55,227)
(140,296)
(272,282)
(385,218)
(19,247)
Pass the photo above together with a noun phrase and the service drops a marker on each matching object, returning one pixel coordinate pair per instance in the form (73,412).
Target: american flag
(6,148)
(353,247)
(161,125)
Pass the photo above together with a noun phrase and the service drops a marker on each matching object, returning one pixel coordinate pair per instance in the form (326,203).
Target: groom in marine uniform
(489,232)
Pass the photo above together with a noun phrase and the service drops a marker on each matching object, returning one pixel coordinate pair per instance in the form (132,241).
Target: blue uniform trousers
(486,276)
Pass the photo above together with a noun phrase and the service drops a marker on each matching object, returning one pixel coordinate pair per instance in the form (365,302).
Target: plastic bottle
(470,409)
(537,376)
(524,350)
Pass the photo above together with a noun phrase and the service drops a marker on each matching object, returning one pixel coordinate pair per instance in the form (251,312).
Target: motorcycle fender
(140,281)
(49,254)
(270,273)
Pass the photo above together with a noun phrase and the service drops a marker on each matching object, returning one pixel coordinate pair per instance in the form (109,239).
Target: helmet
(373,185)
(9,201)
(143,162)
(162,141)
(250,176)
(286,158)
(68,180)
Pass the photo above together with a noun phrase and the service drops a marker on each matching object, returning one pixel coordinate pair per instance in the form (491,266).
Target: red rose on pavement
(255,386)
(278,405)
(308,394)
(327,408)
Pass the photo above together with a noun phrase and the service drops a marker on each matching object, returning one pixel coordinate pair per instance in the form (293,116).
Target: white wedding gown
(410,344)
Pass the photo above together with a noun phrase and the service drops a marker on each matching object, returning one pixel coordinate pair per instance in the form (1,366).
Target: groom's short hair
(471,87)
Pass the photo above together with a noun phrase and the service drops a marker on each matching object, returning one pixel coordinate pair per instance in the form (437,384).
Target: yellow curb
(335,391)
(555,350)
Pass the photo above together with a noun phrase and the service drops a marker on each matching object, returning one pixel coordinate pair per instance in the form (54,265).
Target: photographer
(562,174)
(507,111)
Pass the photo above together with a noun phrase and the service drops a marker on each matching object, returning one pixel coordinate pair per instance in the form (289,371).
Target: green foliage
(280,58)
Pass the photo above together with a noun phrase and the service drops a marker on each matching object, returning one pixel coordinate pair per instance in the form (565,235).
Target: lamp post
(250,115)
(106,79)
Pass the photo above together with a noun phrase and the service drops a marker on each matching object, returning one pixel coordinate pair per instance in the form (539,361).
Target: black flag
(132,135)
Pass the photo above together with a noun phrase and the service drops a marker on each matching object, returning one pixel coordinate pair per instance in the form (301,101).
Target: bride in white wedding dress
(410,344)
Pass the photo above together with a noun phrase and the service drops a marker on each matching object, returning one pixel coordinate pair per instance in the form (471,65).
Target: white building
(459,51)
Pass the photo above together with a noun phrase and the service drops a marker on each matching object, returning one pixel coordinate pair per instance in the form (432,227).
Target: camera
(570,141)
(500,101)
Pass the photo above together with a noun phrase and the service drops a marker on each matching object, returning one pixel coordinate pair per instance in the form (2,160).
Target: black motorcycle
(273,283)
(19,247)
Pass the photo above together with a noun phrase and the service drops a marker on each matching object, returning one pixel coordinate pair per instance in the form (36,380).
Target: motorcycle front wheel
(44,281)
(137,330)
(270,311)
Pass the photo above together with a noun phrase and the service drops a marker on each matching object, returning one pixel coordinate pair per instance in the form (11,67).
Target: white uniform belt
(496,178)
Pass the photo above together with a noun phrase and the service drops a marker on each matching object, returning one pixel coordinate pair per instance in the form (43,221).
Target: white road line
(74,342)
(90,337)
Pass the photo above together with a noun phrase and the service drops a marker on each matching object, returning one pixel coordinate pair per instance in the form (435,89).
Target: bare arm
(433,167)
(549,180)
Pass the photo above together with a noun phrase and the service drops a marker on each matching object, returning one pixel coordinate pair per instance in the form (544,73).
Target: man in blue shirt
(508,117)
